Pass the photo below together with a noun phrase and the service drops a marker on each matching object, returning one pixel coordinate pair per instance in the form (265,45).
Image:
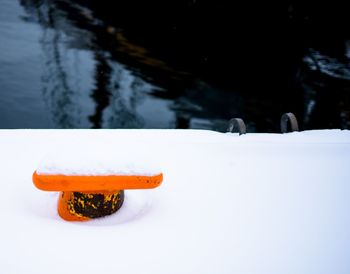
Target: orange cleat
(87,197)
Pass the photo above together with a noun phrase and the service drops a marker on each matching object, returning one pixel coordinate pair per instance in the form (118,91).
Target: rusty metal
(237,125)
(289,117)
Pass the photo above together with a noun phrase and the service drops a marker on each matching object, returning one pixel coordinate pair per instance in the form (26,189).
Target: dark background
(208,61)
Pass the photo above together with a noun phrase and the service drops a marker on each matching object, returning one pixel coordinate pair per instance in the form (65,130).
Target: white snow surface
(256,203)
(106,158)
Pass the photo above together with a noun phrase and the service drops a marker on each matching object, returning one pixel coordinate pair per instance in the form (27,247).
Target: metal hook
(293,122)
(237,124)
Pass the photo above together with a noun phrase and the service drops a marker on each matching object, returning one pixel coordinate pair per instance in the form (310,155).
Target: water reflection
(82,85)
(101,73)
(324,80)
(62,74)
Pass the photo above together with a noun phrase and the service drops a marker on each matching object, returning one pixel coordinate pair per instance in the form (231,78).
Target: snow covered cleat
(85,197)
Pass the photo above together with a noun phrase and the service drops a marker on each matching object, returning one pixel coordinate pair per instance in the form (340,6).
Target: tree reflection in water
(82,85)
(58,90)
(96,76)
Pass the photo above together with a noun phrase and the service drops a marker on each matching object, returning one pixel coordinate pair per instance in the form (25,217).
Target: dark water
(179,64)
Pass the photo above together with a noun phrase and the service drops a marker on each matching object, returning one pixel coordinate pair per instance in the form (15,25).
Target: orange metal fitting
(86,197)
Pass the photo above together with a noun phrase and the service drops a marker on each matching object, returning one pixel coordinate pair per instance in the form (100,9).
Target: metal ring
(293,122)
(237,124)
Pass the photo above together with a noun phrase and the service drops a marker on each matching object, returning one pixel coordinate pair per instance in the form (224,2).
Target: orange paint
(93,183)
(62,208)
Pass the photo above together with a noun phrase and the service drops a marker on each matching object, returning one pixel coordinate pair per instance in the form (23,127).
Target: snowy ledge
(258,203)
(121,153)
